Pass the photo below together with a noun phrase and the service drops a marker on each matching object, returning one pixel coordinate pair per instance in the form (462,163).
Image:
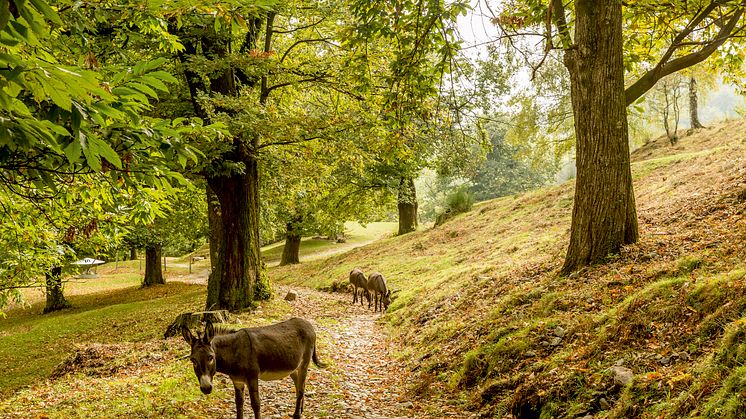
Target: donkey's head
(202,356)
(386,299)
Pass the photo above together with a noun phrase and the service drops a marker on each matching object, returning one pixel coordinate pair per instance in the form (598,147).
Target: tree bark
(290,253)
(215,237)
(693,105)
(237,268)
(407,204)
(215,224)
(55,297)
(133,253)
(604,216)
(153,266)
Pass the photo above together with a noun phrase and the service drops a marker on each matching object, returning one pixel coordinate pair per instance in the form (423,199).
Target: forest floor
(150,377)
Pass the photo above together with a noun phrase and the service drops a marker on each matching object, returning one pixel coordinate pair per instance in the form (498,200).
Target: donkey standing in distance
(377,284)
(247,355)
(357,279)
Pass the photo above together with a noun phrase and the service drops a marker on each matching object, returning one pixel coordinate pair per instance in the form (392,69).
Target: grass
(115,309)
(480,296)
(121,315)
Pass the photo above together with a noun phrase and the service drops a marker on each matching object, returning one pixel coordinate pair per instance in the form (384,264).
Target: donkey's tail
(316,359)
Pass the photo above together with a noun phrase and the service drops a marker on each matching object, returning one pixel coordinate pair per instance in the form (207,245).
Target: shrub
(457,202)
(460,200)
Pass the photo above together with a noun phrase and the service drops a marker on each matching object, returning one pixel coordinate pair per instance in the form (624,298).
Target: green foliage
(459,201)
(180,225)
(79,158)
(508,169)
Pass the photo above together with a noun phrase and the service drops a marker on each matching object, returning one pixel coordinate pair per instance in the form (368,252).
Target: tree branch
(302,41)
(557,13)
(302,27)
(664,67)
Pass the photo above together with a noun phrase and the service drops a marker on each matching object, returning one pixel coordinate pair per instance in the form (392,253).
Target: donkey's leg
(239,388)
(354,294)
(254,395)
(299,379)
(298,394)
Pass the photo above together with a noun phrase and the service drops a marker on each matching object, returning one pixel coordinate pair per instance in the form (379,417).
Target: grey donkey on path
(248,355)
(357,280)
(377,285)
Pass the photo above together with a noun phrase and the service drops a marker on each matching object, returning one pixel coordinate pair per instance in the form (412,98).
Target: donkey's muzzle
(205,384)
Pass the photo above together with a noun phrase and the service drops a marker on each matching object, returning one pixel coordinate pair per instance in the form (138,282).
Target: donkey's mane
(223,329)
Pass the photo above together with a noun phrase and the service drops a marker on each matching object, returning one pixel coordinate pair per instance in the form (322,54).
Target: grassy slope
(480,300)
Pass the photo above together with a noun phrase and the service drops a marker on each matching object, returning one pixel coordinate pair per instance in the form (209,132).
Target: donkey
(247,355)
(377,284)
(357,279)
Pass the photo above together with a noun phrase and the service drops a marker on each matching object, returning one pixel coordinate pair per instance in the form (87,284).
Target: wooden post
(164,264)
(190,265)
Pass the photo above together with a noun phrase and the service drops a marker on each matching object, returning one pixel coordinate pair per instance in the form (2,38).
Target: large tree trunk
(407,204)
(55,297)
(237,274)
(604,216)
(292,245)
(237,266)
(153,267)
(693,104)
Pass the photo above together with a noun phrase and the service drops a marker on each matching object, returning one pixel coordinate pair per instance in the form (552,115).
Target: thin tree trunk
(407,204)
(153,266)
(238,265)
(55,297)
(666,108)
(133,252)
(604,216)
(694,105)
(290,253)
(676,114)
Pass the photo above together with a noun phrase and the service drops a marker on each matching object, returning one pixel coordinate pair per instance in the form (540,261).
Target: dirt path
(362,378)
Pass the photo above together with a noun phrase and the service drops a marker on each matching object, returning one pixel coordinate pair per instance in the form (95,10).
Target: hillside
(483,319)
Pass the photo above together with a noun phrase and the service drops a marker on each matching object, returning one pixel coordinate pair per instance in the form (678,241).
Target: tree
(322,191)
(421,41)
(664,101)
(604,216)
(266,99)
(693,104)
(181,220)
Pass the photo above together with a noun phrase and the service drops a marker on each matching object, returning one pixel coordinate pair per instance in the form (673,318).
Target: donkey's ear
(187,334)
(209,332)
